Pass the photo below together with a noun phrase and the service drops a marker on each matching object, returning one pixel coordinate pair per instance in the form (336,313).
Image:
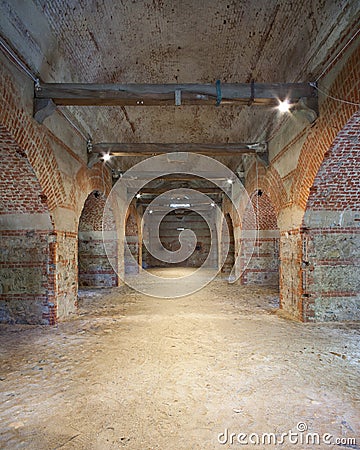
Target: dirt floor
(143,373)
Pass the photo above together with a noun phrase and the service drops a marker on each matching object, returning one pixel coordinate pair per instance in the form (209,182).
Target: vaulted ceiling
(178,41)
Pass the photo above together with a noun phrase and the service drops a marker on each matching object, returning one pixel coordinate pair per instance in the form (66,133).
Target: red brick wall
(169,236)
(228,240)
(38,149)
(20,189)
(132,241)
(94,267)
(337,183)
(26,286)
(264,211)
(331,233)
(263,266)
(333,117)
(270,182)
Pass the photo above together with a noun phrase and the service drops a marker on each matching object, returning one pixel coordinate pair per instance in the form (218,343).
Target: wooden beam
(159,191)
(261,94)
(134,175)
(146,149)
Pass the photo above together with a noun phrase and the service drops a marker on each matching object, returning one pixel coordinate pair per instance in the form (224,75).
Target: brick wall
(26,289)
(169,236)
(333,117)
(299,284)
(44,184)
(260,264)
(331,233)
(228,240)
(131,264)
(94,266)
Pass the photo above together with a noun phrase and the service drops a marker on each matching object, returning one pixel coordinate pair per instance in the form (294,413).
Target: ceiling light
(179,205)
(212,204)
(284,106)
(151,211)
(138,195)
(230,181)
(106,156)
(180,229)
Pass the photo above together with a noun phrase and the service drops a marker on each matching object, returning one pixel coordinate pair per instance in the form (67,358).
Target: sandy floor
(142,373)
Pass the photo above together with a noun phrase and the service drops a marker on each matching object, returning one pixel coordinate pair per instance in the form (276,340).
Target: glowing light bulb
(284,106)
(138,195)
(106,156)
(230,181)
(212,204)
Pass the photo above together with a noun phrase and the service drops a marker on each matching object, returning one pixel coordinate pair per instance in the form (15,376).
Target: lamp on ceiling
(106,157)
(284,106)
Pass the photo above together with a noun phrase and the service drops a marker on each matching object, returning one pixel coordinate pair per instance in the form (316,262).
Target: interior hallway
(143,373)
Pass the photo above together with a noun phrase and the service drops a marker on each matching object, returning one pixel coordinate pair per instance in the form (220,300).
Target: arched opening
(262,261)
(27,241)
(94,268)
(228,241)
(170,228)
(331,234)
(131,259)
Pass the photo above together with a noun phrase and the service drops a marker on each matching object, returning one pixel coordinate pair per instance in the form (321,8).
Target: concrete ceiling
(174,41)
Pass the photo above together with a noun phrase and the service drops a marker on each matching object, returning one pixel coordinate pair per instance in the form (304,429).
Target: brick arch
(133,241)
(330,233)
(337,182)
(33,139)
(264,210)
(94,268)
(228,242)
(332,118)
(99,179)
(21,191)
(270,182)
(27,252)
(260,264)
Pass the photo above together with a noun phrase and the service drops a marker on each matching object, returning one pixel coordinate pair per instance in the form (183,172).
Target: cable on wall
(337,55)
(314,85)
(66,116)
(323,90)
(14,58)
(17,61)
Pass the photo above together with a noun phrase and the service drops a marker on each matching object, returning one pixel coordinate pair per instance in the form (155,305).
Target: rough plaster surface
(66,274)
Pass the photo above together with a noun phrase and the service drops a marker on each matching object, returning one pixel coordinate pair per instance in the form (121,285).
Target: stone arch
(262,267)
(331,235)
(94,268)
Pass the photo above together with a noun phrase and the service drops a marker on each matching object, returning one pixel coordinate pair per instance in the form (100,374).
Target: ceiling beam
(88,94)
(148,149)
(159,191)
